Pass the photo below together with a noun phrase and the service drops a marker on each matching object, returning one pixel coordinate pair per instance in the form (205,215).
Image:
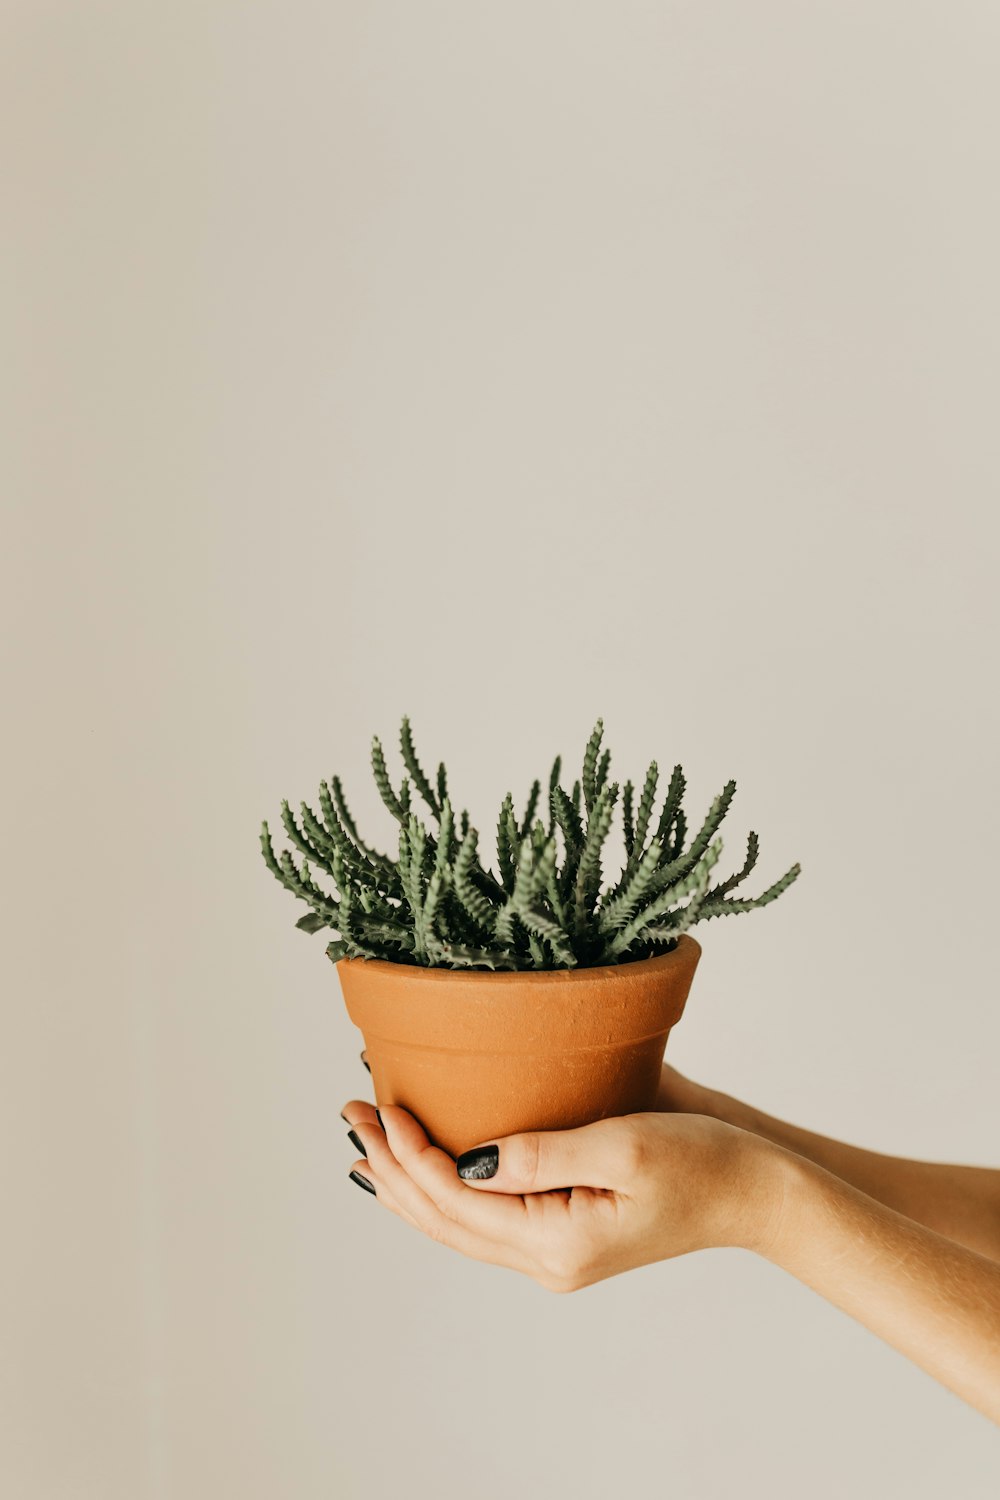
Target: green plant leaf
(436,903)
(312,922)
(588,875)
(627,824)
(721,908)
(696,879)
(553,783)
(529,812)
(506,841)
(385,791)
(589,780)
(415,769)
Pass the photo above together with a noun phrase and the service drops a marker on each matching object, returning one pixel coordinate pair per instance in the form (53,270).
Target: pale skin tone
(909,1249)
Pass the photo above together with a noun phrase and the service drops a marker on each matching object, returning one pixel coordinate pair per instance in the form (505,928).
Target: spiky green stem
(621,941)
(671,805)
(589,779)
(415,769)
(628,827)
(720,908)
(620,910)
(553,783)
(529,813)
(588,875)
(438,904)
(506,842)
(385,791)
(733,881)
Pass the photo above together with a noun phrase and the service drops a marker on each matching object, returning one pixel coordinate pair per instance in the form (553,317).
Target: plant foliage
(437,904)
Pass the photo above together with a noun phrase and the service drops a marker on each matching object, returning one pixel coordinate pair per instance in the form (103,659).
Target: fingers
(602,1155)
(432,1173)
(399,1189)
(380,1191)
(527,1206)
(359,1112)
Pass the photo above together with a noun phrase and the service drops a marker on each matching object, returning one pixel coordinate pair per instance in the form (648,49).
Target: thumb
(537,1161)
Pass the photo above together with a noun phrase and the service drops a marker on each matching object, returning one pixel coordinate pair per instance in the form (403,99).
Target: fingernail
(365,1061)
(355,1140)
(479,1163)
(379,1118)
(362,1182)
(344,1118)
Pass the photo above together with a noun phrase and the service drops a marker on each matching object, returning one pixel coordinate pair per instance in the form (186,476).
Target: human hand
(678,1094)
(681,1095)
(573,1207)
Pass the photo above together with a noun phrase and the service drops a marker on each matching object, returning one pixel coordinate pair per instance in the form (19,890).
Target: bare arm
(651,1186)
(935,1301)
(961,1203)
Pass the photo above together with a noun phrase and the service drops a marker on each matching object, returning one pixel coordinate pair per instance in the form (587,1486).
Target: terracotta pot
(479,1055)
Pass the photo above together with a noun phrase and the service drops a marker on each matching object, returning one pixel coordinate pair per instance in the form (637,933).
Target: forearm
(962,1203)
(935,1301)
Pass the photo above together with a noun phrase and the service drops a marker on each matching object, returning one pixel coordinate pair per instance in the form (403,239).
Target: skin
(909,1249)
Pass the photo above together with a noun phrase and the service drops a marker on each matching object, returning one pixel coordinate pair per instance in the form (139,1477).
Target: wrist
(727,1109)
(764,1189)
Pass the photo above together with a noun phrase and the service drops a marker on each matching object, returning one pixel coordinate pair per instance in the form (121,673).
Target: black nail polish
(344,1118)
(479,1163)
(365,1061)
(362,1182)
(379,1118)
(355,1141)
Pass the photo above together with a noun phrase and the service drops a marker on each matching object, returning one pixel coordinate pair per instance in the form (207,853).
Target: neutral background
(507,365)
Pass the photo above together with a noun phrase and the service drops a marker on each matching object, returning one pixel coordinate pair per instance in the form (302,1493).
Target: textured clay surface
(479,1055)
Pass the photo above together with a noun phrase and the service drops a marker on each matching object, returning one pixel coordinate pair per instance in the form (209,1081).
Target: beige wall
(508,365)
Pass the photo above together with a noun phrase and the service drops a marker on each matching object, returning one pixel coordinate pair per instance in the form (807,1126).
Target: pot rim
(507,977)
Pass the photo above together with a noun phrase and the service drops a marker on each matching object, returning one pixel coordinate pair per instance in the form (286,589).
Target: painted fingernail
(344,1118)
(478,1163)
(362,1182)
(355,1139)
(365,1061)
(379,1118)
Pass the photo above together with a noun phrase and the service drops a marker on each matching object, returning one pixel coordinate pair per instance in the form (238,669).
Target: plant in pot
(532,997)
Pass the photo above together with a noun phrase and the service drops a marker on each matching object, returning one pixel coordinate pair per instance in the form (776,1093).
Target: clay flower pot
(479,1055)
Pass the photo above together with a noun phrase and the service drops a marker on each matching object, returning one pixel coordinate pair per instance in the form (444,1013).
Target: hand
(573,1207)
(681,1095)
(962,1203)
(648,1187)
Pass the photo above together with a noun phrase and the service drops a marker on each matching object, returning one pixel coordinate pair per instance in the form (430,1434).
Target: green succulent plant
(438,905)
